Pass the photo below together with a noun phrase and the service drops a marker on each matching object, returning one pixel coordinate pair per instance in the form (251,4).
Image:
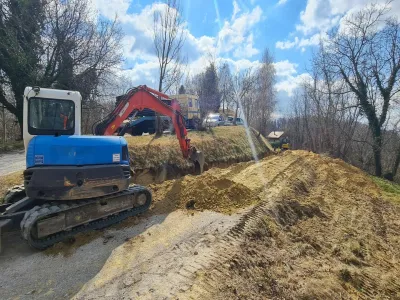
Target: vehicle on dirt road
(78,183)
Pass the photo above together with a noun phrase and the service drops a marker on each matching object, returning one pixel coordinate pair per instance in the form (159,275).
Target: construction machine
(77,183)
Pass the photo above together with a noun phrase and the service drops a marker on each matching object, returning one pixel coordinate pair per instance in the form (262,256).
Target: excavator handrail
(138,99)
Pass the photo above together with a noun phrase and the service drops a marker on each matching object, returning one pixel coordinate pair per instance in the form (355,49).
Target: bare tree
(365,53)
(225,86)
(53,44)
(169,37)
(264,93)
(327,117)
(242,87)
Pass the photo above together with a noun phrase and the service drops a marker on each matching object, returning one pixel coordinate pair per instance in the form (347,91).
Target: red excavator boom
(143,97)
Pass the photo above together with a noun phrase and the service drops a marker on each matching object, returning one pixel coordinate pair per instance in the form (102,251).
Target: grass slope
(221,144)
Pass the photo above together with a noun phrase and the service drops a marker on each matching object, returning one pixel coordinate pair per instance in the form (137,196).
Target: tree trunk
(377,149)
(236,113)
(19,99)
(158,124)
(4,124)
(396,163)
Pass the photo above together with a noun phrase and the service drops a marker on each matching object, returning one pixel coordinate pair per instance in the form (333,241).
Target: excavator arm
(143,97)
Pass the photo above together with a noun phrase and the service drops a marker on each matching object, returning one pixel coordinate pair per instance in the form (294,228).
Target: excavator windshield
(51,116)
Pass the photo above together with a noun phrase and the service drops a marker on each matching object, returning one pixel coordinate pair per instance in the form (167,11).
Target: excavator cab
(61,163)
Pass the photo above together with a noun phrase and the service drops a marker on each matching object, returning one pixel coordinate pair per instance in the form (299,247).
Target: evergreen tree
(210,97)
(182,90)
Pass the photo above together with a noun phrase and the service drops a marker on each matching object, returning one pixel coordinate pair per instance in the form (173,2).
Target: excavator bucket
(198,159)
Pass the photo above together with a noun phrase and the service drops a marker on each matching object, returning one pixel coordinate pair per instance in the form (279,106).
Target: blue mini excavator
(76,183)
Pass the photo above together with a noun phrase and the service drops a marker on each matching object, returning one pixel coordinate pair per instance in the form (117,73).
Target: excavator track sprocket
(74,211)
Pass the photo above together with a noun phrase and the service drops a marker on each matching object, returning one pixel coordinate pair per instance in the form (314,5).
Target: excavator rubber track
(89,214)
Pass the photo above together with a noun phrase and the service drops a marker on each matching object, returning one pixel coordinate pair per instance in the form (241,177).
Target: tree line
(57,44)
(247,92)
(65,45)
(350,107)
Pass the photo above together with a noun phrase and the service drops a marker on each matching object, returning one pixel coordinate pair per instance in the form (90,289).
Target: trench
(170,172)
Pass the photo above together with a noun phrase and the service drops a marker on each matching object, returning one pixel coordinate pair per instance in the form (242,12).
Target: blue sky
(234,31)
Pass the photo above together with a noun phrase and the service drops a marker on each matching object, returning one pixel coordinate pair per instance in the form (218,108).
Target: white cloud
(303,42)
(282,2)
(322,15)
(291,83)
(241,64)
(142,73)
(319,16)
(111,8)
(236,32)
(246,50)
(287,44)
(234,42)
(285,68)
(236,9)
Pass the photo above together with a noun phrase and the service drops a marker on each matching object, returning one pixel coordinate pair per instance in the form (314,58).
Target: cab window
(51,116)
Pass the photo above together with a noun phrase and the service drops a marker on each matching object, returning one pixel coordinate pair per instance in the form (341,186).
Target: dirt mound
(328,234)
(318,229)
(204,192)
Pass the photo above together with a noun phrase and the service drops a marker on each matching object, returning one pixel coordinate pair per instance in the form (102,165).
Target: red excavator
(143,97)
(75,183)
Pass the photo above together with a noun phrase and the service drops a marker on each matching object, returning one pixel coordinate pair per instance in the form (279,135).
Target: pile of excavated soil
(204,192)
(319,229)
(328,234)
(222,190)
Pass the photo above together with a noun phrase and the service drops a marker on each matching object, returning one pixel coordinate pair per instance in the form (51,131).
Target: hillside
(310,227)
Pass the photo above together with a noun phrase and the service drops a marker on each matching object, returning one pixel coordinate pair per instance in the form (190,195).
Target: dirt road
(292,226)
(60,272)
(12,162)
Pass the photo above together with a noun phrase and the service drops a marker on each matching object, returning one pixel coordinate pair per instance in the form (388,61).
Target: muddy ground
(292,226)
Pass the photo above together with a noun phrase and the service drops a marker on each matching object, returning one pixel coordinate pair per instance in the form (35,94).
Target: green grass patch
(389,189)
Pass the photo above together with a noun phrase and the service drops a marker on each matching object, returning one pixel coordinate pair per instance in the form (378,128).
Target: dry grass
(8,181)
(221,144)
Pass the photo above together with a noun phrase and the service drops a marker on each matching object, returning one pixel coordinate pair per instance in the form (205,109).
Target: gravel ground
(12,162)
(60,272)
